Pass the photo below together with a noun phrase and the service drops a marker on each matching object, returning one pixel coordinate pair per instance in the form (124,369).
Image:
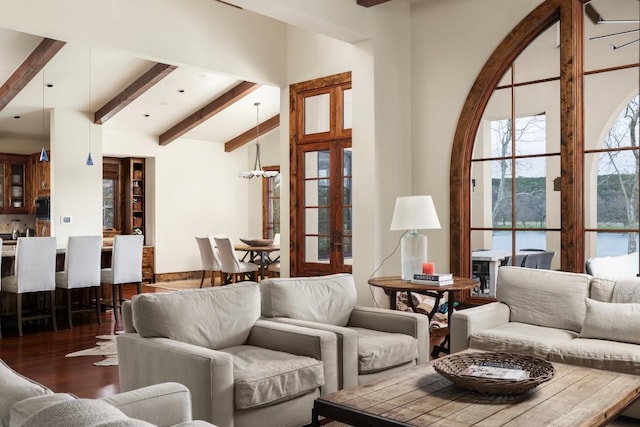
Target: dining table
(260,255)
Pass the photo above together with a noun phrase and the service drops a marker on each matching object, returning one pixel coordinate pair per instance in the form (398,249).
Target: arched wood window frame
(570,15)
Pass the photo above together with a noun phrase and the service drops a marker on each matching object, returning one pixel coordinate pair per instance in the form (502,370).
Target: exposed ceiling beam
(369,3)
(251,134)
(31,66)
(205,113)
(133,91)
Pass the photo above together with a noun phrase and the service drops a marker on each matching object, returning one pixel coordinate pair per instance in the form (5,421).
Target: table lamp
(413,213)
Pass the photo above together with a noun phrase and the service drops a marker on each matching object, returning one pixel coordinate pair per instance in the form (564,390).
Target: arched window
(526,132)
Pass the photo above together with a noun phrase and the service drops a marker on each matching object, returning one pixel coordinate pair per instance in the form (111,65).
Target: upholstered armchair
(241,370)
(372,342)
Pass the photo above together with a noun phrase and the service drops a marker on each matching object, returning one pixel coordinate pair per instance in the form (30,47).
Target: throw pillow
(611,321)
(14,388)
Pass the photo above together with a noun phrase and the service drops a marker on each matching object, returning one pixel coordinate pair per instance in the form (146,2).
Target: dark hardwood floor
(40,353)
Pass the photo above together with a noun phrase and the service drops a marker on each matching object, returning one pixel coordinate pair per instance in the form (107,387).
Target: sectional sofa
(564,317)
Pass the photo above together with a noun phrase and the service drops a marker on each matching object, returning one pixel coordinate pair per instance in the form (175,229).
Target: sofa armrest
(207,373)
(394,321)
(127,317)
(466,322)
(321,345)
(162,404)
(347,350)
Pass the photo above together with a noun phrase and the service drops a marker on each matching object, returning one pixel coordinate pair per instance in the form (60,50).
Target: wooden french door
(321,176)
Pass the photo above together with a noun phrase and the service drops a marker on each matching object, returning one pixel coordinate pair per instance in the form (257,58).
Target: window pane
(530,191)
(317,221)
(316,114)
(494,133)
(541,59)
(316,164)
(316,192)
(347,113)
(316,249)
(491,194)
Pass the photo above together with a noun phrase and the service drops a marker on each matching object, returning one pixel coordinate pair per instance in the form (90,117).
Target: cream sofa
(563,317)
(241,370)
(372,342)
(25,403)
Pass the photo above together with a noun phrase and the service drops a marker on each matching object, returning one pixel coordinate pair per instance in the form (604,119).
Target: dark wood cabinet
(134,197)
(148,269)
(16,189)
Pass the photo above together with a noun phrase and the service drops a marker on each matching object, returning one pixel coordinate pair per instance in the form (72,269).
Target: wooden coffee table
(576,396)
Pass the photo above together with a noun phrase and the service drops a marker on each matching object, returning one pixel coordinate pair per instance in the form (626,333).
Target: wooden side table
(394,284)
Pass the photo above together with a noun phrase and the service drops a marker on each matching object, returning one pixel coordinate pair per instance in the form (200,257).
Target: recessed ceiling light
(17,117)
(49,85)
(147,115)
(180,90)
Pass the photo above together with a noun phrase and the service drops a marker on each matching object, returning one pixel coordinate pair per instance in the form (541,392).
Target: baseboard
(181,275)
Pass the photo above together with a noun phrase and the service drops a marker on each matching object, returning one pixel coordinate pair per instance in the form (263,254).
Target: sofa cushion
(263,377)
(599,354)
(626,290)
(14,388)
(520,338)
(324,299)
(613,267)
(23,409)
(81,413)
(553,299)
(214,318)
(601,289)
(612,321)
(378,351)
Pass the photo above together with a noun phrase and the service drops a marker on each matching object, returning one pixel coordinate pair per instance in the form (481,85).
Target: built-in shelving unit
(135,221)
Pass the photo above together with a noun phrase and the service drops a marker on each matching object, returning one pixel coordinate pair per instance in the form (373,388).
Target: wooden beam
(31,66)
(205,113)
(369,3)
(250,135)
(132,92)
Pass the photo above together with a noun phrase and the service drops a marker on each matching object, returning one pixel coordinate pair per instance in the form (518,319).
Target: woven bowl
(257,242)
(451,367)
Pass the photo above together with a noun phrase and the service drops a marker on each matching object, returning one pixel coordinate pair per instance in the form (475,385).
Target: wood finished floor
(40,353)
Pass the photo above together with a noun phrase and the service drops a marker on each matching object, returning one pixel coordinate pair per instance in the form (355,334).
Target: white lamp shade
(414,213)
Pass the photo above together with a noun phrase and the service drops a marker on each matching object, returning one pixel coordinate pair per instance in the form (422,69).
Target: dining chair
(274,269)
(82,271)
(34,273)
(231,267)
(126,268)
(209,257)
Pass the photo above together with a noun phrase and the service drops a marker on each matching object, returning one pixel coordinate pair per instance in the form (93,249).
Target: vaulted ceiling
(125,93)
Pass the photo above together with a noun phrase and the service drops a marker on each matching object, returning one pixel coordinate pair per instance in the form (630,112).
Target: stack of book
(437,279)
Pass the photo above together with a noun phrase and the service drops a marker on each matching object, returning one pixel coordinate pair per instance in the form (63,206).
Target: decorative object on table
(438,279)
(453,367)
(257,242)
(428,267)
(257,170)
(413,213)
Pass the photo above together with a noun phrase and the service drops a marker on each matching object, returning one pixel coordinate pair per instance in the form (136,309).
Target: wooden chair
(231,267)
(209,257)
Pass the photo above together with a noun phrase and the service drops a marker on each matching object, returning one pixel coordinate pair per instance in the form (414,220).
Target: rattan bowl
(257,242)
(451,367)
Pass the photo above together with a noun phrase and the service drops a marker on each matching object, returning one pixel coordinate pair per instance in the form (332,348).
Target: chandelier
(257,166)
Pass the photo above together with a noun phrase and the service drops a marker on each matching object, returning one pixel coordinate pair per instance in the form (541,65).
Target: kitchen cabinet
(16,189)
(41,176)
(148,273)
(134,197)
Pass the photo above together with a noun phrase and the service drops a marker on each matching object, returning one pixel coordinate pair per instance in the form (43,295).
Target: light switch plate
(66,220)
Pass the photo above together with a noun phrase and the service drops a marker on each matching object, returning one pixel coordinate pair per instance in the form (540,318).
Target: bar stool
(81,271)
(35,272)
(126,268)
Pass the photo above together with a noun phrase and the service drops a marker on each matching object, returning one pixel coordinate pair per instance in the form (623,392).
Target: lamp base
(413,248)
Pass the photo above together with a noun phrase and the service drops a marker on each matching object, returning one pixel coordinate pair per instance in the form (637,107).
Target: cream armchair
(241,370)
(372,342)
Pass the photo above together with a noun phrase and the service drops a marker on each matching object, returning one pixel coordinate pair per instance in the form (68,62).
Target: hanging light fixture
(44,157)
(89,161)
(257,166)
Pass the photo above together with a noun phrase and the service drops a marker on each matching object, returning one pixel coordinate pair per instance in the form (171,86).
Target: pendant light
(89,161)
(44,157)
(257,165)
